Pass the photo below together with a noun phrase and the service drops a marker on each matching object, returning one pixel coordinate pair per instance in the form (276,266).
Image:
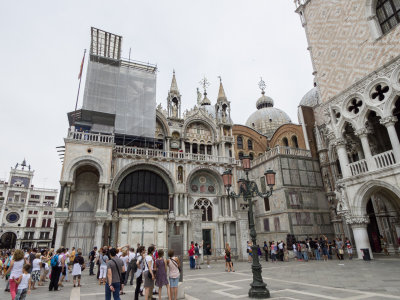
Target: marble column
(105,199)
(228,232)
(360,234)
(67,196)
(185,237)
(221,235)
(99,233)
(226,207)
(343,158)
(176,205)
(59,234)
(100,198)
(363,135)
(191,148)
(389,123)
(186,204)
(231,206)
(123,231)
(110,201)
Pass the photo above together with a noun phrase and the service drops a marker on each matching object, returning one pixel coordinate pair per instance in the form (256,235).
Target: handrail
(91,137)
(281,150)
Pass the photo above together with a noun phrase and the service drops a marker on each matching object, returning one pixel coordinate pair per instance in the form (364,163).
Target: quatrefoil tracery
(380,92)
(355,106)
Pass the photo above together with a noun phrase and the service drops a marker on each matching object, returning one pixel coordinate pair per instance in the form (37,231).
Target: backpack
(54,261)
(133,264)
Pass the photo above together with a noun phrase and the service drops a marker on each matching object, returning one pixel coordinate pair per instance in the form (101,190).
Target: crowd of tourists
(308,249)
(149,268)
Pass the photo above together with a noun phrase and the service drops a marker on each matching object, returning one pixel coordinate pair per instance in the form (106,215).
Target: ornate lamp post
(248,189)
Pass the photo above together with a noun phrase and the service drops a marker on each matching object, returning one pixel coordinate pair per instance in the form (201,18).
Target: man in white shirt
(131,261)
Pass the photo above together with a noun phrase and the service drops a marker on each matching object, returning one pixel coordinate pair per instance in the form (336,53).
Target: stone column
(228,232)
(221,235)
(231,206)
(191,148)
(59,233)
(363,135)
(185,236)
(226,207)
(223,149)
(360,234)
(123,231)
(99,233)
(100,198)
(389,122)
(186,204)
(109,201)
(67,195)
(176,205)
(343,158)
(168,148)
(242,232)
(195,217)
(60,197)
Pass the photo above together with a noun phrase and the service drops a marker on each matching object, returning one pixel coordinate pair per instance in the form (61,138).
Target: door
(206,237)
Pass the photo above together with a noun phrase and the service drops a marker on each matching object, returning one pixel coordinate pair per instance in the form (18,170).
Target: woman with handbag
(149,268)
(161,274)
(174,266)
(77,268)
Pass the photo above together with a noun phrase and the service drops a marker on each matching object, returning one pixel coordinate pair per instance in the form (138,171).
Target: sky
(43,42)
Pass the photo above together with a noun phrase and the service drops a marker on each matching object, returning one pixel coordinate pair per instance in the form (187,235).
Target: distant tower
(174,99)
(222,107)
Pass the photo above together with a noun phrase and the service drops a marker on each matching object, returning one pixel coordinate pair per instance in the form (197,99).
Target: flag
(83,61)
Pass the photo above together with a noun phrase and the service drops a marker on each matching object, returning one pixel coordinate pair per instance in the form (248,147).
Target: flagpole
(79,86)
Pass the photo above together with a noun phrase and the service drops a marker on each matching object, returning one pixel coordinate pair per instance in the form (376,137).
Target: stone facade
(356,128)
(26,212)
(249,141)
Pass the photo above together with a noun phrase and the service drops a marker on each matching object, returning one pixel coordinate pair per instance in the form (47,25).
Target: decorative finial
(173,71)
(220,79)
(204,82)
(262,86)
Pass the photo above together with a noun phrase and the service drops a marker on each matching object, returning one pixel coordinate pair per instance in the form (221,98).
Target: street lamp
(248,189)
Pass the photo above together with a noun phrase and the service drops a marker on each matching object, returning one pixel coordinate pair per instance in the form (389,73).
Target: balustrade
(91,137)
(281,150)
(358,167)
(384,159)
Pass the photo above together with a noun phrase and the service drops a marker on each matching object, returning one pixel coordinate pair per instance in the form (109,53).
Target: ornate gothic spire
(174,85)
(221,93)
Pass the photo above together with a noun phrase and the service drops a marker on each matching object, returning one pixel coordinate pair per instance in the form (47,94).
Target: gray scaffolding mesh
(127,92)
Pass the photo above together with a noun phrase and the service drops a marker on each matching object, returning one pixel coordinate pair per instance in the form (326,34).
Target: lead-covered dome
(311,99)
(267,119)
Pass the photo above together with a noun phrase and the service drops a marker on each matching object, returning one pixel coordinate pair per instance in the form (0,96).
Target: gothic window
(355,106)
(240,142)
(44,223)
(266,225)
(251,155)
(266,204)
(277,224)
(33,223)
(388,13)
(380,91)
(285,142)
(209,149)
(250,144)
(206,207)
(202,149)
(295,142)
(48,222)
(28,223)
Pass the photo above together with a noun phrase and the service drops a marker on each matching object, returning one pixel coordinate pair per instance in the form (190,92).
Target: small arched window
(250,144)
(206,207)
(240,142)
(251,155)
(388,14)
(295,142)
(285,142)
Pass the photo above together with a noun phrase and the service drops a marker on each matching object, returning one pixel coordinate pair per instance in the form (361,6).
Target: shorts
(148,282)
(103,272)
(173,282)
(77,277)
(324,251)
(64,272)
(35,275)
(350,250)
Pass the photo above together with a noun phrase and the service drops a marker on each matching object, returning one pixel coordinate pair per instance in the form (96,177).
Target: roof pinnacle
(221,92)
(174,85)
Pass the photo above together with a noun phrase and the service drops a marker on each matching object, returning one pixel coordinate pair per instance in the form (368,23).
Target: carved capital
(388,121)
(362,132)
(356,220)
(339,143)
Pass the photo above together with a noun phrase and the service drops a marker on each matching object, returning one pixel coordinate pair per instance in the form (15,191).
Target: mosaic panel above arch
(203,183)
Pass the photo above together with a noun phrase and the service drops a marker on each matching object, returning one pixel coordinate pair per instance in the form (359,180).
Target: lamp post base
(259,291)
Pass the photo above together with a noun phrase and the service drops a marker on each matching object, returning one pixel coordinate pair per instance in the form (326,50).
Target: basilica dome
(310,99)
(267,119)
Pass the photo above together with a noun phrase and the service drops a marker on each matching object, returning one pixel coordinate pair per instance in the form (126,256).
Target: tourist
(324,247)
(56,269)
(227,249)
(24,283)
(285,254)
(280,250)
(304,250)
(35,275)
(15,271)
(140,256)
(349,248)
(132,267)
(208,254)
(317,249)
(6,265)
(71,259)
(294,246)
(149,274)
(274,249)
(102,260)
(161,274)
(192,262)
(115,267)
(197,256)
(249,251)
(92,256)
(63,260)
(229,260)
(124,257)
(299,253)
(265,248)
(340,248)
(77,267)
(44,258)
(174,274)
(310,251)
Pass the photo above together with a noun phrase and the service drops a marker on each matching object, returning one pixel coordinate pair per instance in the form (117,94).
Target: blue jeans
(317,254)
(305,255)
(117,287)
(192,262)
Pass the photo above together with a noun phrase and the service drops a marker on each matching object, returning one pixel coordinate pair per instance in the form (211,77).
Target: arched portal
(143,186)
(8,240)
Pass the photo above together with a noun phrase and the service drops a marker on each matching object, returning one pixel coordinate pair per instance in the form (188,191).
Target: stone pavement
(350,280)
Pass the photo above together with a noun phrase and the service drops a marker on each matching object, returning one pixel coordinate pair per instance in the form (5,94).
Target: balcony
(170,155)
(281,150)
(379,161)
(91,137)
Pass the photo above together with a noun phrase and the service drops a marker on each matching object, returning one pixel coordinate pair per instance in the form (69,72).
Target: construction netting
(127,92)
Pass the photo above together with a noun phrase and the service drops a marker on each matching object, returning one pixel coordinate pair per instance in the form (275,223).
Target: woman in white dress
(78,264)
